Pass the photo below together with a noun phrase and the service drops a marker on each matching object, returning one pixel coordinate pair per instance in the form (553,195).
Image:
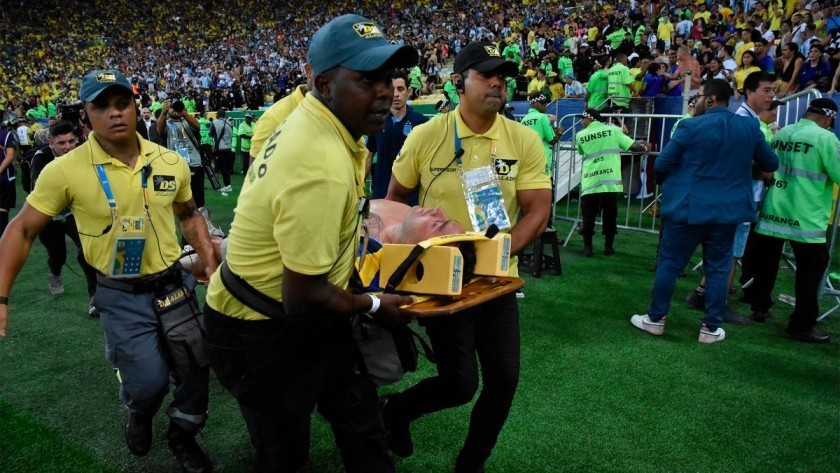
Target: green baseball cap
(95,82)
(354,42)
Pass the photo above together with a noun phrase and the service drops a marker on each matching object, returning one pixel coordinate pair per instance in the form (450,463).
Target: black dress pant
(224,163)
(811,263)
(279,371)
(490,331)
(604,204)
(197,185)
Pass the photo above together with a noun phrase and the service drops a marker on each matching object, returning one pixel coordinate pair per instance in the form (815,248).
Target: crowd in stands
(242,55)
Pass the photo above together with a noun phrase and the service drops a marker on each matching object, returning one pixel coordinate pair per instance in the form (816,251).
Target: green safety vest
(676,123)
(511,88)
(768,133)
(155,106)
(51,110)
(618,84)
(416,78)
(565,66)
(601,146)
(512,53)
(245,129)
(189,104)
(204,131)
(640,31)
(449,88)
(597,90)
(540,123)
(798,204)
(616,37)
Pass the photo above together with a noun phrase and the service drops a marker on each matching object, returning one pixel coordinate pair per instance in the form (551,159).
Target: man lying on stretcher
(387,222)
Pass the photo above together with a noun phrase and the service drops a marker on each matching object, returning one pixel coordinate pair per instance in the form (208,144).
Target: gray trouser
(133,345)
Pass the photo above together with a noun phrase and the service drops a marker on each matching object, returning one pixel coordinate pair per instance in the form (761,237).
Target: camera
(71,113)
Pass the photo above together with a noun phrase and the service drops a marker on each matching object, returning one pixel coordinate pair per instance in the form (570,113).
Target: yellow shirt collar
(148,152)
(316,107)
(465,132)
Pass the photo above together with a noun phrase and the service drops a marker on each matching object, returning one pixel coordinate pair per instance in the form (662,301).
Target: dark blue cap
(95,82)
(354,42)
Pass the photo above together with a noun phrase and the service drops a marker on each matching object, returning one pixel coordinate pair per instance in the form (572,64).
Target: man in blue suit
(706,178)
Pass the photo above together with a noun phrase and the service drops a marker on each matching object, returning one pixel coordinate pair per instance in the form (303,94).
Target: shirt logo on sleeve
(164,185)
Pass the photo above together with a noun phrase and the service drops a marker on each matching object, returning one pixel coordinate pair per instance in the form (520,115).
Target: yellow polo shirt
(272,117)
(298,208)
(72,181)
(428,151)
(664,31)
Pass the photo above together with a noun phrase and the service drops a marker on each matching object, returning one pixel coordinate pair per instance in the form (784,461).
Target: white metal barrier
(796,104)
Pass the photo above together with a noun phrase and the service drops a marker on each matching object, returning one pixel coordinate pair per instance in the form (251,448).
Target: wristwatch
(4,300)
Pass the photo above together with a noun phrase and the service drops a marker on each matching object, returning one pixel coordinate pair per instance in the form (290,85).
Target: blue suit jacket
(706,169)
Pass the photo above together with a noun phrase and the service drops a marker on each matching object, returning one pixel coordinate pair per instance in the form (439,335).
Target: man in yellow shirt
(125,193)
(275,115)
(279,309)
(508,160)
(665,31)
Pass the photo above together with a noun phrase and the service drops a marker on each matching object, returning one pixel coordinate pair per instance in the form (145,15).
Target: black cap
(591,114)
(823,106)
(483,57)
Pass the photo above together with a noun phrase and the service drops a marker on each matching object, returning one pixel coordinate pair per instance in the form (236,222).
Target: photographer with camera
(179,130)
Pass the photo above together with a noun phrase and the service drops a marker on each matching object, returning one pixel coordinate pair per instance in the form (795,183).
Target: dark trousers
(279,371)
(52,236)
(197,184)
(678,243)
(811,262)
(224,163)
(134,346)
(604,204)
(246,161)
(750,259)
(491,331)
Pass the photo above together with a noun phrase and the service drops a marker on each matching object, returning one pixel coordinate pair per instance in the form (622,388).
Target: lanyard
(103,180)
(494,146)
(457,143)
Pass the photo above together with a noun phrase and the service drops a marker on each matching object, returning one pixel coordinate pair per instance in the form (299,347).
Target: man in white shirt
(22,131)
(683,28)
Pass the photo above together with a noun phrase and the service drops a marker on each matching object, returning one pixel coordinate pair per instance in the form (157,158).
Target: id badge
(127,255)
(185,153)
(485,203)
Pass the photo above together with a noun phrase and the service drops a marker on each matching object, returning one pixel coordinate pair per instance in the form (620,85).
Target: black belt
(251,296)
(150,283)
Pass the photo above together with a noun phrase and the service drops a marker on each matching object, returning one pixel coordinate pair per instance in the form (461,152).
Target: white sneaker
(56,285)
(643,322)
(212,229)
(707,336)
(520,295)
(226,189)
